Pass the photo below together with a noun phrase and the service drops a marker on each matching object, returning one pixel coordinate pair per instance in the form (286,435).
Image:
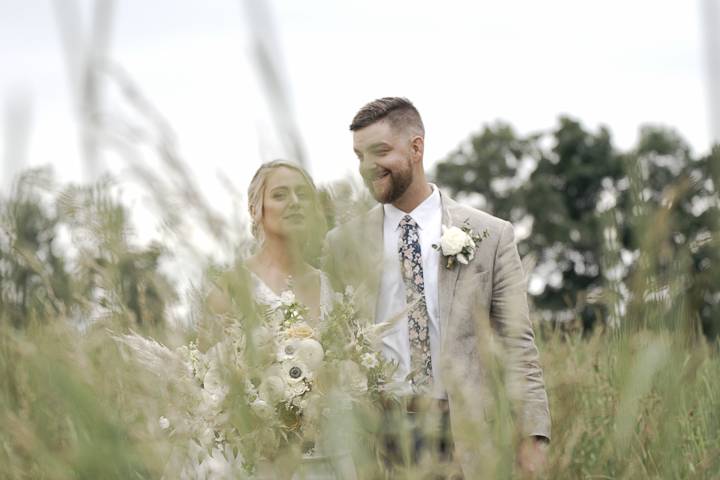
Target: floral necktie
(418,318)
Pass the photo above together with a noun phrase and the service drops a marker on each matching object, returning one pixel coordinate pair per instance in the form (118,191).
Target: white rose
(453,240)
(309,352)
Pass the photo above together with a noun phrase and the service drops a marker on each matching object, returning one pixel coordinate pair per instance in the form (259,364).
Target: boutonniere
(458,244)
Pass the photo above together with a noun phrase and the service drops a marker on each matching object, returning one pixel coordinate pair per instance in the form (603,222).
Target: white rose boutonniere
(458,244)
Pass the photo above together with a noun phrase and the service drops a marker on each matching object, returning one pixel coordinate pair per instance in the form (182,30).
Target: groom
(458,318)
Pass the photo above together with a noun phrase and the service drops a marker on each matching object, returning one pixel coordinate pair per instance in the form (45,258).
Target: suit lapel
(447,277)
(373,245)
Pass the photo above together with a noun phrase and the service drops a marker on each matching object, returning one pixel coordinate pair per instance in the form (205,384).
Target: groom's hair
(398,111)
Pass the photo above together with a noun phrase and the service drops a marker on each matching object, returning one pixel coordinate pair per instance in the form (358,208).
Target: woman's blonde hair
(256,193)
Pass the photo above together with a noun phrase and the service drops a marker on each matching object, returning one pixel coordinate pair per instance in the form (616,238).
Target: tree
(675,230)
(101,274)
(116,277)
(606,228)
(553,192)
(35,285)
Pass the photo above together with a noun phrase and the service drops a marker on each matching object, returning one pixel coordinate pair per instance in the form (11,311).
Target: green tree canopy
(589,215)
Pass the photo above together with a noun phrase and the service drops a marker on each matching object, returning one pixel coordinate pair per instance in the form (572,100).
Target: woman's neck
(281,256)
(281,266)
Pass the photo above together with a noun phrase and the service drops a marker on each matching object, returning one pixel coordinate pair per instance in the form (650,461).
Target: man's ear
(417,148)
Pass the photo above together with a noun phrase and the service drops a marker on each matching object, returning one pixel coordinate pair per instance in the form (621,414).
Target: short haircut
(398,111)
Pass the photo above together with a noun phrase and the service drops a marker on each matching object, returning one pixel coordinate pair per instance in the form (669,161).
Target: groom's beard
(396,183)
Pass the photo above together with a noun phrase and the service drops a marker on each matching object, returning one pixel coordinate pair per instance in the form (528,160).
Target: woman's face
(287,203)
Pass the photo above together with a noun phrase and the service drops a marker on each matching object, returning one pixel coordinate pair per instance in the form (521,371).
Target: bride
(287,223)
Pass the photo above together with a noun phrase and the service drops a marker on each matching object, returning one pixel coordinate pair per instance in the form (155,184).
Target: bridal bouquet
(266,386)
(352,343)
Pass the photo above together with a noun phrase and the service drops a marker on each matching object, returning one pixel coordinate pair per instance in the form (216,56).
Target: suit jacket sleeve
(510,318)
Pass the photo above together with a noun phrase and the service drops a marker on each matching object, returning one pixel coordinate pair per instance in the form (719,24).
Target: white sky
(463,63)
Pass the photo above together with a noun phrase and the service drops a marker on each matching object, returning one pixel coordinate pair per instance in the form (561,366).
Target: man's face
(385,160)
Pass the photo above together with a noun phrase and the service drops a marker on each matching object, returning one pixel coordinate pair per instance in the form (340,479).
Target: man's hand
(532,456)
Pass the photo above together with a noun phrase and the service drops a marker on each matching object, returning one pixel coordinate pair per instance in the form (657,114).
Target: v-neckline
(263,284)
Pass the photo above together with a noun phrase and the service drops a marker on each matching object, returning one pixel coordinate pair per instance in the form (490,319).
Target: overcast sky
(463,63)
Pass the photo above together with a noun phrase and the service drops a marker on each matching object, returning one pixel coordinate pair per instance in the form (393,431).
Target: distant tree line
(68,254)
(618,238)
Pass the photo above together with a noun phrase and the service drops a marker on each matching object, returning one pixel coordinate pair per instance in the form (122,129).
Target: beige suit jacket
(484,323)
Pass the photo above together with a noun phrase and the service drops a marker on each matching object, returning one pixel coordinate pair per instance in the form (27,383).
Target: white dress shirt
(391,297)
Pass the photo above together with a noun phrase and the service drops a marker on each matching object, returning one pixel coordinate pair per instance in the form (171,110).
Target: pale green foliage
(100,273)
(642,407)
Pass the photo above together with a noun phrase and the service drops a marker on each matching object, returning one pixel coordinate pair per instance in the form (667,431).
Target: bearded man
(454,276)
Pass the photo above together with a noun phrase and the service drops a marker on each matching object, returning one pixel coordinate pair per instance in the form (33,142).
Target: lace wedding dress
(266,296)
(317,464)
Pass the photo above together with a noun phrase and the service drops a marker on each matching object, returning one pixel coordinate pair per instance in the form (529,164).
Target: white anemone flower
(286,350)
(296,376)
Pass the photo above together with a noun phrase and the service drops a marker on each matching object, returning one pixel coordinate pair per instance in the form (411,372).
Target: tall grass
(641,401)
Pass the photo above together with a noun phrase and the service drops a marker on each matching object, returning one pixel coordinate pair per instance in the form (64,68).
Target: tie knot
(407,222)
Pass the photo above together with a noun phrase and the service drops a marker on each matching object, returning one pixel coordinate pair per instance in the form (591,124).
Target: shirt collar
(422,214)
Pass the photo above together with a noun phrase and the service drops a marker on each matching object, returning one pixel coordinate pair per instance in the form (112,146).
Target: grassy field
(641,400)
(633,406)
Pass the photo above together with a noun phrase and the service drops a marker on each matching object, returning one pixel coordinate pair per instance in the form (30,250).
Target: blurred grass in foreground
(639,407)
(640,401)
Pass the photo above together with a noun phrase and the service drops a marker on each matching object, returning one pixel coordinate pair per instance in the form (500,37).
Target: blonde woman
(287,222)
